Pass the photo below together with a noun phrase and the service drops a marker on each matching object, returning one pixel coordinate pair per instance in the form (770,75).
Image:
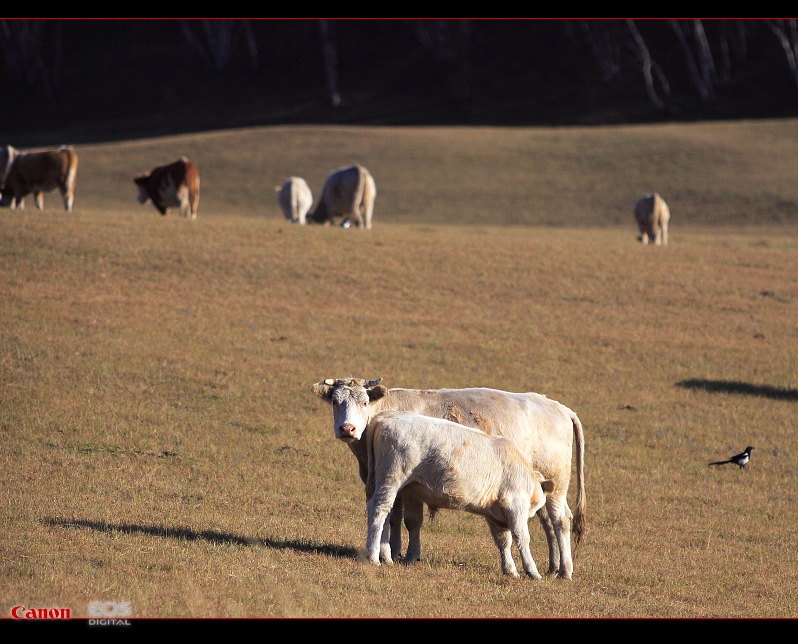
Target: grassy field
(161,446)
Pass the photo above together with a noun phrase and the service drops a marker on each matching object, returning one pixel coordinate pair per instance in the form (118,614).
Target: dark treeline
(98,79)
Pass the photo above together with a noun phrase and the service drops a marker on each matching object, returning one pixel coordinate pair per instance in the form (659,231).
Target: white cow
(652,216)
(295,199)
(545,431)
(348,192)
(449,465)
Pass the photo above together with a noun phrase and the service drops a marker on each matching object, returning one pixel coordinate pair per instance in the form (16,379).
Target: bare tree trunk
(252,48)
(699,62)
(733,43)
(650,68)
(605,44)
(787,34)
(216,40)
(33,52)
(447,41)
(330,62)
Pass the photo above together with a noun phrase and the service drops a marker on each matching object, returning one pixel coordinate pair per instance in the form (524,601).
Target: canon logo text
(22,612)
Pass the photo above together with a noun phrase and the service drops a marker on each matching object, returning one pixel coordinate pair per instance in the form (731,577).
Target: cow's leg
(377,539)
(504,541)
(414,517)
(561,516)
(38,199)
(67,197)
(395,527)
(184,207)
(551,540)
(520,531)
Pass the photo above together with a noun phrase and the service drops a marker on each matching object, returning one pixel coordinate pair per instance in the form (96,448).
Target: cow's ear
(548,486)
(376,392)
(323,390)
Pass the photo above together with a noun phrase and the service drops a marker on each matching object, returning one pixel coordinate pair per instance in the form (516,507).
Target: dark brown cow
(24,173)
(176,185)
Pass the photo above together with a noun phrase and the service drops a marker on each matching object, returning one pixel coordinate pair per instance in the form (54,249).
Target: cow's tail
(579,522)
(71,166)
(71,175)
(359,192)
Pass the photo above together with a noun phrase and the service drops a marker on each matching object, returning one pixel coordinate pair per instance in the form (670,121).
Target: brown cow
(176,185)
(23,173)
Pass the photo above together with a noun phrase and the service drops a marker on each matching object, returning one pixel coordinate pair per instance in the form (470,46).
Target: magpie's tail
(720,462)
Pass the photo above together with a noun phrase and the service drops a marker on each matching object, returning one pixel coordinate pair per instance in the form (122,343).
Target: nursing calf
(448,465)
(544,430)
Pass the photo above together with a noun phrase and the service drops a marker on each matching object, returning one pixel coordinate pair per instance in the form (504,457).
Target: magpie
(740,459)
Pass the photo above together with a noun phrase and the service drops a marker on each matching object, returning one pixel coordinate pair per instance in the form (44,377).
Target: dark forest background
(83,80)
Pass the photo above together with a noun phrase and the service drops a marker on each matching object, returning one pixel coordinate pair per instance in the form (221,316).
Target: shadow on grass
(211,536)
(736,387)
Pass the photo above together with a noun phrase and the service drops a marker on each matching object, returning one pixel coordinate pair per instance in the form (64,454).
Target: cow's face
(351,401)
(141,183)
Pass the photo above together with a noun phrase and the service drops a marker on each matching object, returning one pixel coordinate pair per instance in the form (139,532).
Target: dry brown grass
(161,444)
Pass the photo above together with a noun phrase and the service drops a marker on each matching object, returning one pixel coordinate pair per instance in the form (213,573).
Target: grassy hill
(709,173)
(162,446)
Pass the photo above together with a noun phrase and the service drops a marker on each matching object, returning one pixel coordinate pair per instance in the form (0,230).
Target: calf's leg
(377,539)
(504,541)
(520,531)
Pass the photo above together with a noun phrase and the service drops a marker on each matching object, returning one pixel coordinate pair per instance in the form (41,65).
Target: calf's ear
(323,389)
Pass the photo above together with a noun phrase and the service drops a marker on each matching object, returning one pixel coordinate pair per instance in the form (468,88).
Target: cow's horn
(371,383)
